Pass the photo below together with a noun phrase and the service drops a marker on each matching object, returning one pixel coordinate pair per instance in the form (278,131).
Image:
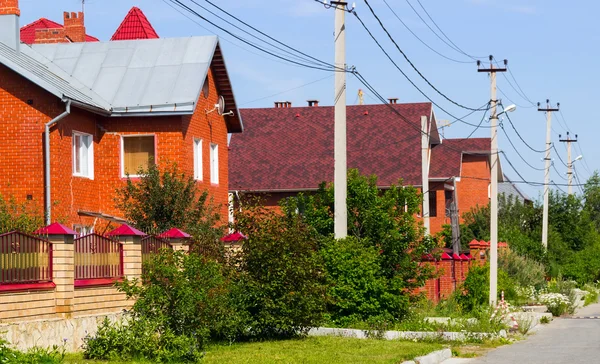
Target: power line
(419,39)
(557,172)
(404,74)
(517,151)
(408,60)
(192,11)
(288,90)
(520,137)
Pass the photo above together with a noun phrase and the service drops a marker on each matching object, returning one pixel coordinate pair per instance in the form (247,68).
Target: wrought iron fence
(98,257)
(24,259)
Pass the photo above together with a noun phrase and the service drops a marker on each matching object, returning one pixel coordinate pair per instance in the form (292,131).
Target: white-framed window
(83,155)
(198,159)
(137,152)
(83,229)
(214,163)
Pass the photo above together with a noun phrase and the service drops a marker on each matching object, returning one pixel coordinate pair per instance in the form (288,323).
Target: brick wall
(9,7)
(25,108)
(473,192)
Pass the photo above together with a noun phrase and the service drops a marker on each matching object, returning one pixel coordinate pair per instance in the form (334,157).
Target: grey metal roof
(150,75)
(28,63)
(128,78)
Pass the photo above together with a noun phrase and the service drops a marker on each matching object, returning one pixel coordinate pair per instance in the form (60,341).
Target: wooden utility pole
(494,181)
(570,161)
(548,110)
(340,168)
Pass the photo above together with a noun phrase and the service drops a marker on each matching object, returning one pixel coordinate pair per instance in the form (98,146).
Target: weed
(544,320)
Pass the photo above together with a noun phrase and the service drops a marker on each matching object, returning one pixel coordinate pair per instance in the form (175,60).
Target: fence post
(178,239)
(63,266)
(131,240)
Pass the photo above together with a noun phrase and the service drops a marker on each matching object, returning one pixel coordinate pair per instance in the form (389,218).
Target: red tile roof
(292,148)
(28,31)
(135,26)
(446,158)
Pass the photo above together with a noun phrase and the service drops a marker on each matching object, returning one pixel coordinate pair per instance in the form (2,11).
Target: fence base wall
(27,305)
(69,332)
(96,300)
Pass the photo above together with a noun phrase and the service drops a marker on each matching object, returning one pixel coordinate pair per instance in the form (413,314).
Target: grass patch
(307,350)
(320,350)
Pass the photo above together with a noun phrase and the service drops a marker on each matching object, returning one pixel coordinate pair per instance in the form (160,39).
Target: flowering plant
(557,303)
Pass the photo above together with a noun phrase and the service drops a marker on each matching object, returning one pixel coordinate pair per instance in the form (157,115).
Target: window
(138,153)
(83,230)
(214,163)
(198,159)
(432,204)
(83,155)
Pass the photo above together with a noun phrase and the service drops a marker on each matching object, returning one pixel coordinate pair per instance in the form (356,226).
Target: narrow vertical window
(198,159)
(214,164)
(83,155)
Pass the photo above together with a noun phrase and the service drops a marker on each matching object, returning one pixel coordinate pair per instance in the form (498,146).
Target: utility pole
(340,174)
(570,161)
(548,110)
(425,172)
(494,181)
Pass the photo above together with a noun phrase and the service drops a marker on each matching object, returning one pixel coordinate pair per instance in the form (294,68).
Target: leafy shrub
(24,217)
(162,199)
(524,271)
(592,293)
(476,288)
(356,288)
(186,294)
(140,339)
(544,320)
(36,355)
(282,281)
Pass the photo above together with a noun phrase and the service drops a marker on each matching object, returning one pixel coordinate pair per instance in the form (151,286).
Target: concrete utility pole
(494,182)
(340,174)
(425,172)
(570,161)
(548,110)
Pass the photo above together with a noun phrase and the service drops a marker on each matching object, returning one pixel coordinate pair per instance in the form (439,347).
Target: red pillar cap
(55,229)
(175,233)
(126,230)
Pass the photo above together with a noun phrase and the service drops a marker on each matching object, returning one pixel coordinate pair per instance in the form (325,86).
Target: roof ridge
(135,25)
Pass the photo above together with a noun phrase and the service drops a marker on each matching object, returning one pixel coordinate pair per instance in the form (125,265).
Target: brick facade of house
(24,110)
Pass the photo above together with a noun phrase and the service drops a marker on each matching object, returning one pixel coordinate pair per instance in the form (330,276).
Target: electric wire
(522,139)
(419,39)
(288,90)
(557,172)
(517,151)
(406,76)
(407,59)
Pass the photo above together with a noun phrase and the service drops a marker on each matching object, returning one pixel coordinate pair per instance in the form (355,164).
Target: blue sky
(550,46)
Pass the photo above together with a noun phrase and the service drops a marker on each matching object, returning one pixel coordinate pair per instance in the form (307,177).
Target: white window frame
(214,163)
(90,154)
(198,162)
(123,152)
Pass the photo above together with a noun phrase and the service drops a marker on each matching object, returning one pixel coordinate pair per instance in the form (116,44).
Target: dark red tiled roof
(28,31)
(135,26)
(292,148)
(446,158)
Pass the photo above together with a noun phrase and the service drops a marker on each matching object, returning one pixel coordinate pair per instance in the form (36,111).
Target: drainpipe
(47,159)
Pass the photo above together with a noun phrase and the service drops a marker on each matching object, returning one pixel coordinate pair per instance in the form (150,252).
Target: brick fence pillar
(179,240)
(63,266)
(131,239)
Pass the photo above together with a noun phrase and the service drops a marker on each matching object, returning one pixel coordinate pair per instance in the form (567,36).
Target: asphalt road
(564,340)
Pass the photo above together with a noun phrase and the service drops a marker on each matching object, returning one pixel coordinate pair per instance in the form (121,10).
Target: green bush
(25,217)
(141,339)
(187,294)
(356,288)
(282,282)
(476,288)
(36,355)
(524,271)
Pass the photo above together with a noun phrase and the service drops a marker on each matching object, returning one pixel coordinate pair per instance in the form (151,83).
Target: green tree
(163,199)
(24,217)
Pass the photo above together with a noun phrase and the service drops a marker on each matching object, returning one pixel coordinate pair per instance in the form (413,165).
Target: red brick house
(285,150)
(108,109)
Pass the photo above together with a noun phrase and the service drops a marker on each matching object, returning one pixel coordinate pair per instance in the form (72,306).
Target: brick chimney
(74,27)
(9,23)
(313,103)
(46,36)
